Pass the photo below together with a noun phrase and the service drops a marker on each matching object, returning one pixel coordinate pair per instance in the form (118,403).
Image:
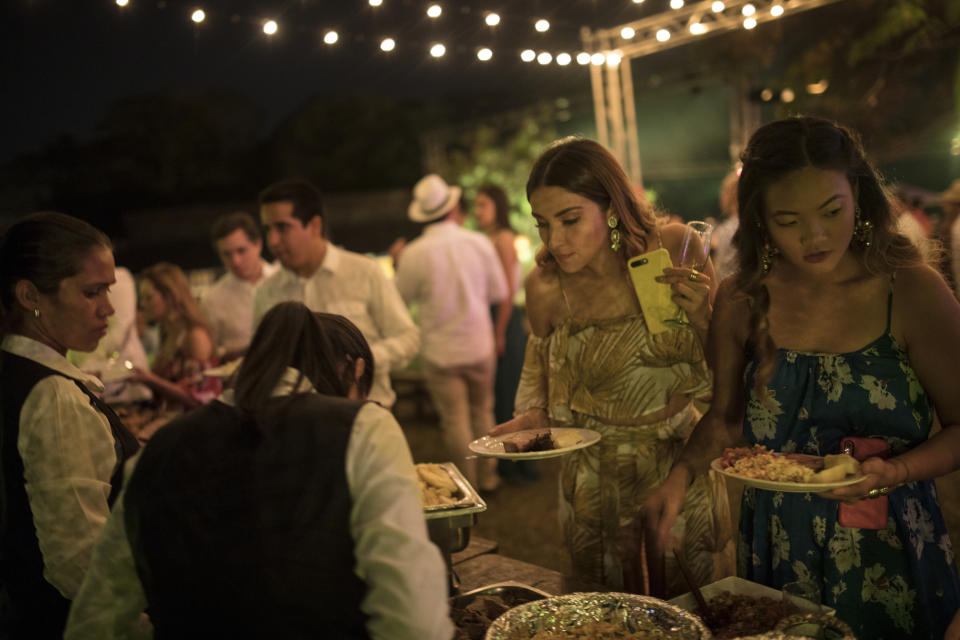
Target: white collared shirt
(228,307)
(406,595)
(356,287)
(68,454)
(455,275)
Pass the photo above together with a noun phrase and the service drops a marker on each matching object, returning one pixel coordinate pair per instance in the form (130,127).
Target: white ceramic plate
(739,586)
(787,487)
(572,439)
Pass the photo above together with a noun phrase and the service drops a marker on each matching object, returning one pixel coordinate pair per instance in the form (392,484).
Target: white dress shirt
(455,275)
(353,286)
(67,448)
(406,595)
(228,306)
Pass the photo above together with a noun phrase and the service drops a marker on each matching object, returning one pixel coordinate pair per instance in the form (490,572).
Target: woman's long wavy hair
(170,281)
(323,347)
(586,168)
(774,151)
(501,205)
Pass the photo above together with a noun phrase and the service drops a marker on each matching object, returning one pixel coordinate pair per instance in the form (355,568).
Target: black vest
(36,609)
(241,529)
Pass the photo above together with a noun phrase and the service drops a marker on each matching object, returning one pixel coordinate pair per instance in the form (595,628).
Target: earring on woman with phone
(612,222)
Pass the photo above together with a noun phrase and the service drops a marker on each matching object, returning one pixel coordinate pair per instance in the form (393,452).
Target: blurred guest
(454,276)
(724,253)
(909,226)
(288,509)
(62,447)
(327,278)
(950,233)
(492,209)
(832,329)
(953,631)
(228,303)
(186,346)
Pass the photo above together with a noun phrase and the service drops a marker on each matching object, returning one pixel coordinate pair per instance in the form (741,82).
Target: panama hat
(952,194)
(432,198)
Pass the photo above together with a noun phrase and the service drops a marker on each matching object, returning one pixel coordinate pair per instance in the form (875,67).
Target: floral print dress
(898,582)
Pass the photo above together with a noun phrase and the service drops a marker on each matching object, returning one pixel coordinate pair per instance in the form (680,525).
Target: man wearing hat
(950,233)
(454,275)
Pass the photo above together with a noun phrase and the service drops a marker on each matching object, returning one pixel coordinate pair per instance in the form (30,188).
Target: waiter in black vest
(61,447)
(288,508)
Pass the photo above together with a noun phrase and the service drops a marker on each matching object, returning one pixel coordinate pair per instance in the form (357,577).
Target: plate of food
(534,444)
(759,467)
(599,616)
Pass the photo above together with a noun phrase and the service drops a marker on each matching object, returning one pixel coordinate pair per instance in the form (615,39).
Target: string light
(776,10)
(541,25)
(766,95)
(627,32)
(388,44)
(749,23)
(376,3)
(434,11)
(663,35)
(787,95)
(438,50)
(583,58)
(613,59)
(270,27)
(748,10)
(544,58)
(698,28)
(492,19)
(718,6)
(563,59)
(122,3)
(198,16)
(331,37)
(527,55)
(818,87)
(637,1)
(597,59)
(484,54)
(676,4)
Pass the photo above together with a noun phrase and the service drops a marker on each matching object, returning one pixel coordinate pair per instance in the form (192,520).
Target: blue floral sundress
(899,582)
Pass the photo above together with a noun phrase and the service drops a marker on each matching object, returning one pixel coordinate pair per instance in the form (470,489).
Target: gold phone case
(654,296)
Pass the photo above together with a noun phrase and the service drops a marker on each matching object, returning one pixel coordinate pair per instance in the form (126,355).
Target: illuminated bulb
(766,95)
(270,27)
(663,35)
(776,10)
(698,28)
(492,19)
(613,59)
(388,44)
(676,4)
(438,50)
(583,58)
(718,6)
(627,32)
(434,11)
(527,55)
(597,59)
(544,57)
(748,10)
(376,3)
(198,16)
(749,23)
(331,37)
(787,95)
(817,87)
(563,59)
(122,3)
(484,54)
(637,1)
(541,25)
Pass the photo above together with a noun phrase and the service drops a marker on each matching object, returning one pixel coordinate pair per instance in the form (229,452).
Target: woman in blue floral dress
(833,328)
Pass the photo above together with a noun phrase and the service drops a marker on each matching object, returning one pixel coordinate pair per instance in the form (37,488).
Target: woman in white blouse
(288,508)
(62,448)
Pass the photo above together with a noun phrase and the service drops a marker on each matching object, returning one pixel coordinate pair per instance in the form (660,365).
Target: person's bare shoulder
(544,300)
(731,312)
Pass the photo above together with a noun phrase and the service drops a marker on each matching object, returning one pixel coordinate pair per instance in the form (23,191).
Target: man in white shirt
(330,279)
(455,275)
(228,303)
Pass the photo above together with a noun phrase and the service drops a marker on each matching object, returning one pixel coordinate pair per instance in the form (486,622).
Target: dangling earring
(614,232)
(767,252)
(862,229)
(36,312)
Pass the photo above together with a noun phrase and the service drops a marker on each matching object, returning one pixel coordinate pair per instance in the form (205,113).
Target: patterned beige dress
(606,375)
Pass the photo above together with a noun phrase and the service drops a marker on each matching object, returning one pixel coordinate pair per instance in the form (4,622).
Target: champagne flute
(694,252)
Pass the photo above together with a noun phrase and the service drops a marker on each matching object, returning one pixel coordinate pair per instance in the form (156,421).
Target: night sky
(64,63)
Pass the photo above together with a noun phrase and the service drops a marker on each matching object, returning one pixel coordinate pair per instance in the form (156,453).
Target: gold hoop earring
(612,222)
(862,229)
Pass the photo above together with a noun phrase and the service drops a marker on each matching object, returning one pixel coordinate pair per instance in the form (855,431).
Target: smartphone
(655,297)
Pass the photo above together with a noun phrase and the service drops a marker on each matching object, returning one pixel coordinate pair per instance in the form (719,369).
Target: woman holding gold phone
(592,362)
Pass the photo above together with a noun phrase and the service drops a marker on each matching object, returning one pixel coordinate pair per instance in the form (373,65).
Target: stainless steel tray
(509,591)
(461,512)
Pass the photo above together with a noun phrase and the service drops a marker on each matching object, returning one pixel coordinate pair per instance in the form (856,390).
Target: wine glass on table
(694,253)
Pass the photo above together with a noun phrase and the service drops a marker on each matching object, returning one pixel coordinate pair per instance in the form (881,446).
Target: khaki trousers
(463,399)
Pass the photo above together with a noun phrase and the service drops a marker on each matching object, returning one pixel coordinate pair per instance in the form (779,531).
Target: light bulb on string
(748,10)
(542,25)
(270,27)
(776,10)
(698,28)
(583,58)
(627,32)
(198,16)
(492,19)
(597,59)
(438,50)
(544,57)
(331,37)
(563,59)
(613,59)
(663,35)
(388,44)
(484,54)
(434,11)
(718,6)
(749,23)
(122,3)
(676,4)
(376,3)
(528,55)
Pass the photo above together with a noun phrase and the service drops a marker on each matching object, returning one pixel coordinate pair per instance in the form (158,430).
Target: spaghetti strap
(893,277)
(563,292)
